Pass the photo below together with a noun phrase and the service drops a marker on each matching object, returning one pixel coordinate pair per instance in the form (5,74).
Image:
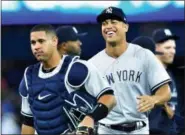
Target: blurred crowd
(11,75)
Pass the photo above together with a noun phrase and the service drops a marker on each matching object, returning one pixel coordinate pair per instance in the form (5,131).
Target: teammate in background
(133,72)
(165,43)
(69,40)
(161,118)
(69,43)
(46,89)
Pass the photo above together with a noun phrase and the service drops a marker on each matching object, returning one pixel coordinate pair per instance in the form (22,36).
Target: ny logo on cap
(167,32)
(109,10)
(75,30)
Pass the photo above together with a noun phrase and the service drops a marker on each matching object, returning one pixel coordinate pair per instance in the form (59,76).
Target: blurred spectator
(10,109)
(9,119)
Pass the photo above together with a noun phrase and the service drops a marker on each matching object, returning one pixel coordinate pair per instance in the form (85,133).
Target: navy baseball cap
(68,33)
(147,43)
(161,35)
(112,13)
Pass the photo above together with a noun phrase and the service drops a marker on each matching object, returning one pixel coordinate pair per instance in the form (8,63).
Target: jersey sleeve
(95,84)
(156,73)
(23,91)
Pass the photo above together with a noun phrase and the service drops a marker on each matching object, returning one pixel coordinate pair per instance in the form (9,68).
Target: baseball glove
(85,130)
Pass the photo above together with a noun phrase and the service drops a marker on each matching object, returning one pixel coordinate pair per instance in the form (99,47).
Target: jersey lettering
(110,78)
(138,77)
(125,75)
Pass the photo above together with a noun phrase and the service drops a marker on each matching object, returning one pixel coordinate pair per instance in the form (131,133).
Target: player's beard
(73,51)
(112,44)
(41,59)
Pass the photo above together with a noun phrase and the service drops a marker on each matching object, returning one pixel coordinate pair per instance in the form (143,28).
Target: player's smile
(110,33)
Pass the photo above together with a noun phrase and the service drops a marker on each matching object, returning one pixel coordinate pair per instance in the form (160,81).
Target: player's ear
(64,46)
(55,40)
(126,27)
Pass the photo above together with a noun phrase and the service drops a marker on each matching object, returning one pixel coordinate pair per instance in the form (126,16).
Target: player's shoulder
(97,56)
(83,65)
(97,59)
(79,64)
(139,51)
(77,73)
(29,69)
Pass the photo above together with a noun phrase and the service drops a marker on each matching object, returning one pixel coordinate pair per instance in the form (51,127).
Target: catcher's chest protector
(46,98)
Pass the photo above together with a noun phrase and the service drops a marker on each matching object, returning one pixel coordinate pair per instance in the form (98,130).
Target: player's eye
(32,42)
(114,22)
(41,41)
(104,23)
(167,47)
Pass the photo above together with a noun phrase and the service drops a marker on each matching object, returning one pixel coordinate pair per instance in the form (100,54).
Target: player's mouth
(110,33)
(37,54)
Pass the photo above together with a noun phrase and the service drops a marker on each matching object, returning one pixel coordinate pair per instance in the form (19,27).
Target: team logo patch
(167,32)
(109,10)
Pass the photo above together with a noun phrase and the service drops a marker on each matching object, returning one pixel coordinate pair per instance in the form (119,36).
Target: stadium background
(18,17)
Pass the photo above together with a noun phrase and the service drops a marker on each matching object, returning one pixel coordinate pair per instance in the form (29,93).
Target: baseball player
(165,43)
(69,43)
(48,103)
(133,72)
(69,40)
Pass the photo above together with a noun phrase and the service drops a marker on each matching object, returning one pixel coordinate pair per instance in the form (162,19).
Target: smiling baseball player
(133,72)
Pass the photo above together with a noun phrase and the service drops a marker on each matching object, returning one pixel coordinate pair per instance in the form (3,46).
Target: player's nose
(37,46)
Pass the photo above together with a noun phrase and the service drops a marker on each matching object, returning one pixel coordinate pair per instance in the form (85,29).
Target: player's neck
(53,61)
(117,50)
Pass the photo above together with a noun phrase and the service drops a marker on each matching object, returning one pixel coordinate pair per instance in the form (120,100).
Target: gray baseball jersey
(136,72)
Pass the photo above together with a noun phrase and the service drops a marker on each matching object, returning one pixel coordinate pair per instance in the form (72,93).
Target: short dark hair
(49,29)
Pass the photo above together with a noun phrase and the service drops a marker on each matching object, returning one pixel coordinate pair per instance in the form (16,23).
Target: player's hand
(86,126)
(146,103)
(83,130)
(168,110)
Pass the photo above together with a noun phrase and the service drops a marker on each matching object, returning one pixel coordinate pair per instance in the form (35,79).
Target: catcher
(58,93)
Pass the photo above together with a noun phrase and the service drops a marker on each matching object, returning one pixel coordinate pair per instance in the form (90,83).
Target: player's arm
(27,124)
(162,95)
(27,130)
(98,87)
(27,117)
(158,80)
